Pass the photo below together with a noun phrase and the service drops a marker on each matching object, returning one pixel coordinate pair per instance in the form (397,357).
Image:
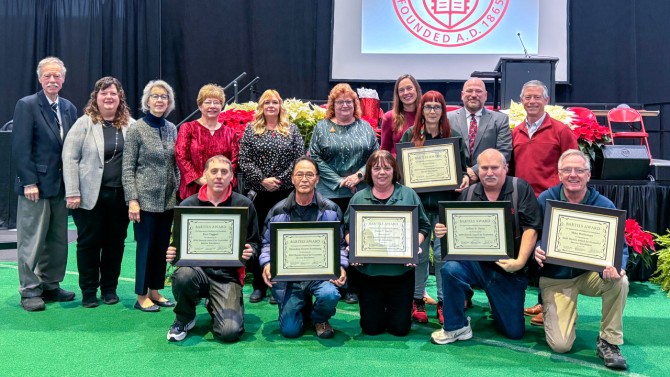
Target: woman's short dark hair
(376,158)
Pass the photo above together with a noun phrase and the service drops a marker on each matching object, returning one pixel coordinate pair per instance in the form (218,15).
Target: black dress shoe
(151,309)
(164,304)
(32,304)
(257,296)
(58,294)
(110,298)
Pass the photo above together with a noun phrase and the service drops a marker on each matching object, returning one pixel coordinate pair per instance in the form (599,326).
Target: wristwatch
(359,175)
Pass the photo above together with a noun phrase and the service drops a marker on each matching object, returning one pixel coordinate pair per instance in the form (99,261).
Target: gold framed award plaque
(583,236)
(436,166)
(383,234)
(307,250)
(209,236)
(479,231)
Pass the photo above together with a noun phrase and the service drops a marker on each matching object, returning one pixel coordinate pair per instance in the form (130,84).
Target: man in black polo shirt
(503,281)
(221,285)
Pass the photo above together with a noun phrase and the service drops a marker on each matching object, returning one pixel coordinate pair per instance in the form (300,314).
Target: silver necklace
(107,124)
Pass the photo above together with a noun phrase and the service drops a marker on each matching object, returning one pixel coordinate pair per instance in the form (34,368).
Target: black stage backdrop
(618,49)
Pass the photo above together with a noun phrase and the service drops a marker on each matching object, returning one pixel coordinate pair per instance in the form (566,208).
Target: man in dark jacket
(504,281)
(221,285)
(41,122)
(304,204)
(561,286)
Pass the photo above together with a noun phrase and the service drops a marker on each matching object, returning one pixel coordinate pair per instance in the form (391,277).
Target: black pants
(101,233)
(263,203)
(386,303)
(152,234)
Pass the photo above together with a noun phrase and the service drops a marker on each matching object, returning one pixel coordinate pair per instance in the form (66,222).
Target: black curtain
(94,38)
(285,43)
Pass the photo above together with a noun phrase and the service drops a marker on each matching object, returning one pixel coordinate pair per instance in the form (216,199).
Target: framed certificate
(209,236)
(383,234)
(582,236)
(436,166)
(479,231)
(307,250)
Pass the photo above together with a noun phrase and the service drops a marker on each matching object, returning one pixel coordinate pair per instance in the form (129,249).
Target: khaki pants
(559,297)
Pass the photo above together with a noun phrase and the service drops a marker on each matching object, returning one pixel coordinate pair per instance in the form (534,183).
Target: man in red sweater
(538,143)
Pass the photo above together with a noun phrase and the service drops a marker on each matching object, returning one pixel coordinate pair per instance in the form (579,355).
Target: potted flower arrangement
(662,274)
(591,137)
(641,242)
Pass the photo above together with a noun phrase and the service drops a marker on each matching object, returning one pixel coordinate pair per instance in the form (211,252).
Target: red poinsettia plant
(236,119)
(590,135)
(641,241)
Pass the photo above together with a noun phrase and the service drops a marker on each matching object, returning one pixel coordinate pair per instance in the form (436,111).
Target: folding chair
(630,118)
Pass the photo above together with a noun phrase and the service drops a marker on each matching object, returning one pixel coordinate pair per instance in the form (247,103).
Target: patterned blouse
(341,151)
(195,145)
(269,155)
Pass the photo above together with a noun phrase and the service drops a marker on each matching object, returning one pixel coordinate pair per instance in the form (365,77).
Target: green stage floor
(117,340)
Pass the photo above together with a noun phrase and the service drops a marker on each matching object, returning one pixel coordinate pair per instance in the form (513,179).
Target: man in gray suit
(41,122)
(481,129)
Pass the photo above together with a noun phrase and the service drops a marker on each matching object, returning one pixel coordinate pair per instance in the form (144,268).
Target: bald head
(474,94)
(492,170)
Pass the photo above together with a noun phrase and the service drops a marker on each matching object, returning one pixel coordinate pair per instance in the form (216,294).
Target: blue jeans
(294,297)
(506,293)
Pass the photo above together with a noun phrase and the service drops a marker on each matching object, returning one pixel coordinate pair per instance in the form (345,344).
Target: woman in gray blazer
(150,181)
(92,158)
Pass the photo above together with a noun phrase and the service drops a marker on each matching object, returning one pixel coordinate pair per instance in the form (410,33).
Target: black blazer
(37,145)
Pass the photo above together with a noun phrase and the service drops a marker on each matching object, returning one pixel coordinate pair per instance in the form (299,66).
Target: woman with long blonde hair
(268,148)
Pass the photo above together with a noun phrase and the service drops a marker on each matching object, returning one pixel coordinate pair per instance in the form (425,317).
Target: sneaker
(324,330)
(440,314)
(442,336)
(178,330)
(419,311)
(610,354)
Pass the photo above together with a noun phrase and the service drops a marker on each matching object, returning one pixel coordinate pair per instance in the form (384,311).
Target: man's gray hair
(574,152)
(50,60)
(535,83)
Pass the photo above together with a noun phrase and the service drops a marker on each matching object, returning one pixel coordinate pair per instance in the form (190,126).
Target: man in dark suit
(481,129)
(41,122)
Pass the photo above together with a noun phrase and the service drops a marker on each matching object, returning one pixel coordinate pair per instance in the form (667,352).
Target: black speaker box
(660,169)
(625,162)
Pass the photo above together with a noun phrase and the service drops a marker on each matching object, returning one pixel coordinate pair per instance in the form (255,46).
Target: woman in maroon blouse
(406,97)
(203,138)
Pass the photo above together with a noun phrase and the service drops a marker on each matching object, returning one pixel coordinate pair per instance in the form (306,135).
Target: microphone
(525,52)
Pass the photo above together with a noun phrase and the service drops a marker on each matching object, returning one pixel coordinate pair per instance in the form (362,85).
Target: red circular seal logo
(450,23)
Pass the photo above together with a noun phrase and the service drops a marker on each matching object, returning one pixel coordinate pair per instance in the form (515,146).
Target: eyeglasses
(429,108)
(344,102)
(308,175)
(164,97)
(578,171)
(209,103)
(55,76)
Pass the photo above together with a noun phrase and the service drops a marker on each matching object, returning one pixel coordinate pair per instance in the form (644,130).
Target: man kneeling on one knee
(503,281)
(295,298)
(222,286)
(561,286)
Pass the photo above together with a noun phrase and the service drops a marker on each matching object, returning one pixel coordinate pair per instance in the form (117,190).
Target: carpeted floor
(117,340)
